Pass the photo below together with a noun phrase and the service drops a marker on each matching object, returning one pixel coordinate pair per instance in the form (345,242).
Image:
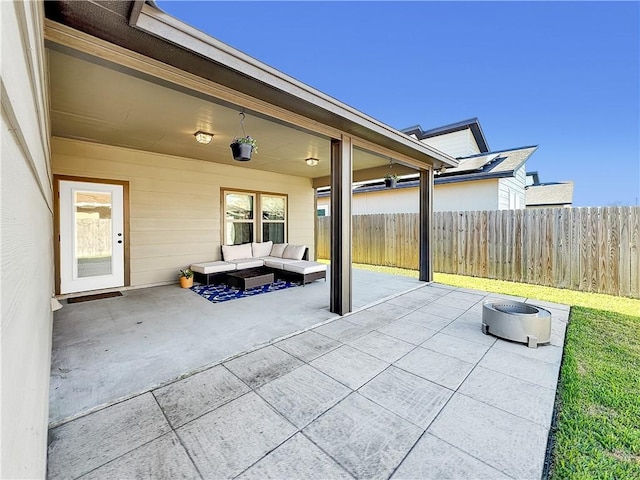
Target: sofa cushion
(278,249)
(234,252)
(261,249)
(295,252)
(213,267)
(243,263)
(304,267)
(275,262)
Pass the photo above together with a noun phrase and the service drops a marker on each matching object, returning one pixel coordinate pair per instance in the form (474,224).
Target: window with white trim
(239,225)
(243,224)
(274,210)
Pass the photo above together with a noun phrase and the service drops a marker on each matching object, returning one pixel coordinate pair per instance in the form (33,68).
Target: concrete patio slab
(343,330)
(524,399)
(434,459)
(308,345)
(303,395)
(508,443)
(464,405)
(550,353)
(374,318)
(519,366)
(296,458)
(408,331)
(105,351)
(262,366)
(393,311)
(161,459)
(458,348)
(409,396)
(442,369)
(227,441)
(425,319)
(459,303)
(74,448)
(349,366)
(468,331)
(448,310)
(473,296)
(366,439)
(198,394)
(413,302)
(386,348)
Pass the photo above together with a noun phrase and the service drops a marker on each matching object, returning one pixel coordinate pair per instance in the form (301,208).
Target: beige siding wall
(478,195)
(466,196)
(175,203)
(401,200)
(456,144)
(512,192)
(26,255)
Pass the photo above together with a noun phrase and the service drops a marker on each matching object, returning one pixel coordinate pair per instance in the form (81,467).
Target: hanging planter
(242,147)
(390,180)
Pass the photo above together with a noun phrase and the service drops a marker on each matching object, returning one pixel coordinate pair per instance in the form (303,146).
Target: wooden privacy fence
(587,249)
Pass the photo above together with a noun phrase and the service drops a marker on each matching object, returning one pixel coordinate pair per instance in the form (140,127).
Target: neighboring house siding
(466,196)
(477,195)
(456,144)
(175,213)
(27,238)
(400,200)
(512,192)
(403,200)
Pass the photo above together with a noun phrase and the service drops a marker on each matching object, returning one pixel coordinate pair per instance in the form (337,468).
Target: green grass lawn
(597,432)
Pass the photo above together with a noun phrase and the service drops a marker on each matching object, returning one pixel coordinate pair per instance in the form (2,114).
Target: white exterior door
(91,236)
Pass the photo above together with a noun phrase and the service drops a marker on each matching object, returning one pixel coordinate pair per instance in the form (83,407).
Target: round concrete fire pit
(517,321)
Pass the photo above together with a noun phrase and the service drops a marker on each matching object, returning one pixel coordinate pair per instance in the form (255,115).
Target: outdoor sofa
(287,261)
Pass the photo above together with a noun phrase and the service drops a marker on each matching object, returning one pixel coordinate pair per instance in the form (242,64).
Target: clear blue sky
(561,75)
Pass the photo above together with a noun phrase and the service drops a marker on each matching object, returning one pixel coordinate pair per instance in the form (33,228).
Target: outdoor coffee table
(249,278)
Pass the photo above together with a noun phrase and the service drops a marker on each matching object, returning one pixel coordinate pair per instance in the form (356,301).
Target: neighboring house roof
(498,164)
(549,194)
(472,123)
(535,178)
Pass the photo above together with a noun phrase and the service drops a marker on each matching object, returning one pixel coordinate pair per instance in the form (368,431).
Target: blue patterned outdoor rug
(222,293)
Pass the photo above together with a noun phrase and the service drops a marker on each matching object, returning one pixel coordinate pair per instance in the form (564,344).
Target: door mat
(223,293)
(97,296)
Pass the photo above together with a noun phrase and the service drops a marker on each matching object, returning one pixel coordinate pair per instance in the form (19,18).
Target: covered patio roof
(127,74)
(205,83)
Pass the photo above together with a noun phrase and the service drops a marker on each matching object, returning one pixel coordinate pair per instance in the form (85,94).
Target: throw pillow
(278,249)
(236,252)
(261,249)
(294,252)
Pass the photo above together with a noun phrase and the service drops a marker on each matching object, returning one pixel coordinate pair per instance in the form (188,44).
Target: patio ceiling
(98,102)
(126,73)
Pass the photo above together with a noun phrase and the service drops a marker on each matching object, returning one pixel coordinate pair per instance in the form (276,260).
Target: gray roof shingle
(548,194)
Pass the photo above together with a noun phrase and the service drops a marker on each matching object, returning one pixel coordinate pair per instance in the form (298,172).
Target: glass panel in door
(93,242)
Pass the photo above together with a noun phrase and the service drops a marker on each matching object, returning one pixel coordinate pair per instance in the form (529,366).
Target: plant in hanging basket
(243,147)
(390,180)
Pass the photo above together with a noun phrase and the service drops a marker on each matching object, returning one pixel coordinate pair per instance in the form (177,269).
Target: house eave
(473,176)
(273,86)
(152,33)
